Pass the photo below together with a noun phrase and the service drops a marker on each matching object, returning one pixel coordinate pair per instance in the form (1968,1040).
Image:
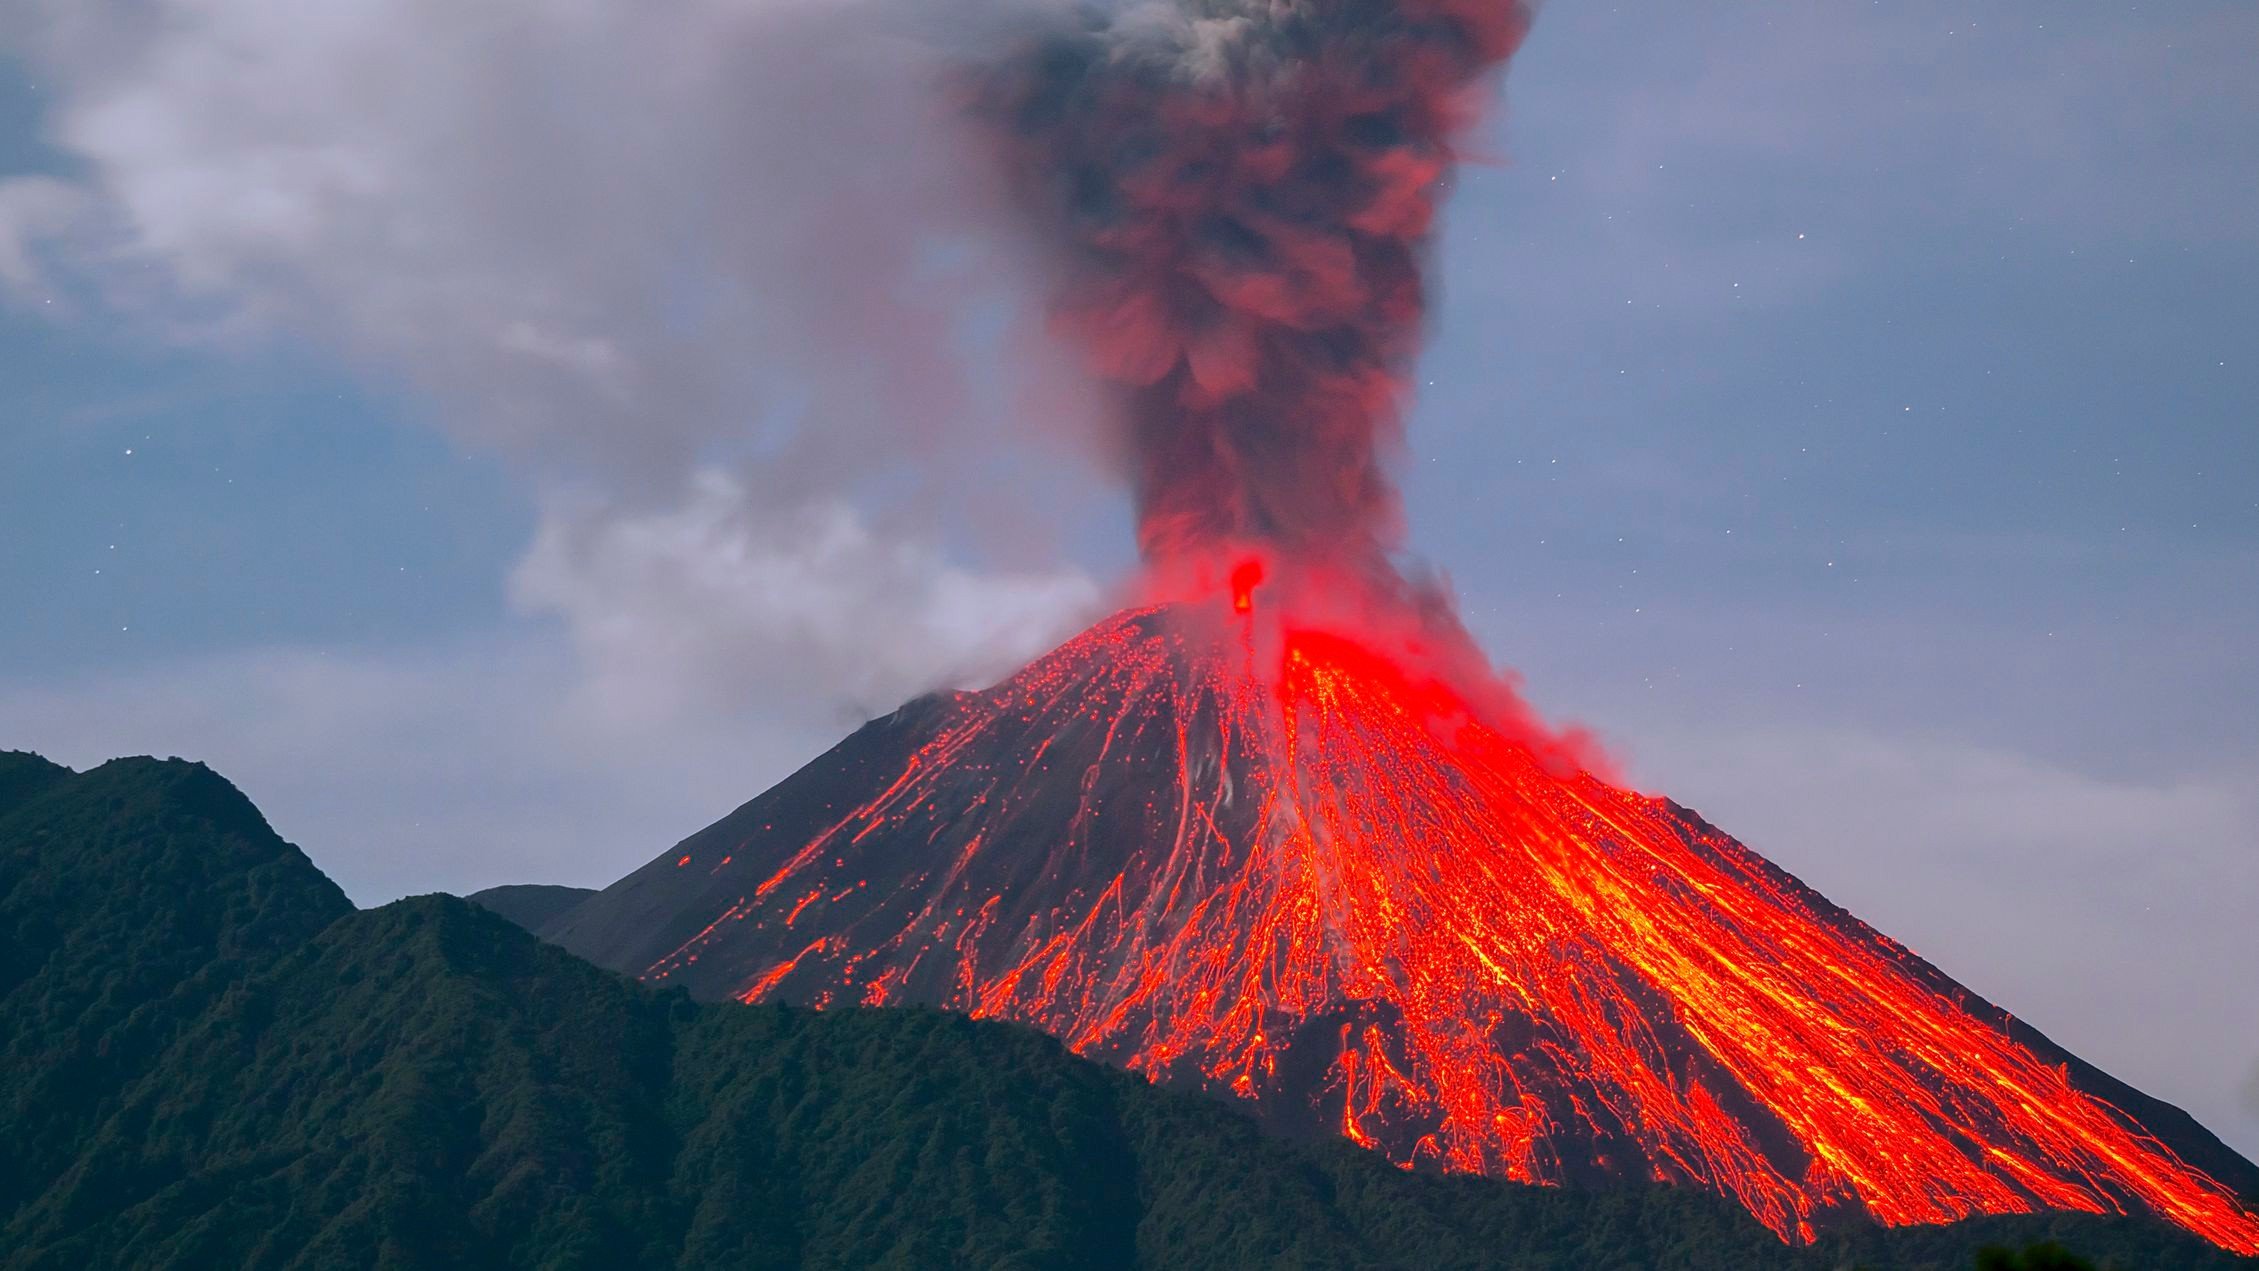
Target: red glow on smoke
(1240,206)
(1244,578)
(1298,867)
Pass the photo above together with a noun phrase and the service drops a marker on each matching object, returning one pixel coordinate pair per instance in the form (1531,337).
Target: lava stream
(1280,864)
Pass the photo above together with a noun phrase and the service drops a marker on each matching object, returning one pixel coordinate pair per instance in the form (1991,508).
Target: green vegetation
(214,1060)
(131,899)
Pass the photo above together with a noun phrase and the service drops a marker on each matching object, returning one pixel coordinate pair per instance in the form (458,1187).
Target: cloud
(33,209)
(662,258)
(717,601)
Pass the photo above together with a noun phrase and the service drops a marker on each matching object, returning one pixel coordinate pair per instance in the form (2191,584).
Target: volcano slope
(1283,869)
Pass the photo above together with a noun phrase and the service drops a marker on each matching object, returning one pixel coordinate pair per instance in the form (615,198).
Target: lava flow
(1287,866)
(1282,837)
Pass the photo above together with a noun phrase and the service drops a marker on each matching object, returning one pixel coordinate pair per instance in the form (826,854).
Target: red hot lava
(1272,860)
(1255,846)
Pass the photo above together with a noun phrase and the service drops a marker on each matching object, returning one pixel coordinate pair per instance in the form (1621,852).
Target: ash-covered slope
(530,905)
(1332,893)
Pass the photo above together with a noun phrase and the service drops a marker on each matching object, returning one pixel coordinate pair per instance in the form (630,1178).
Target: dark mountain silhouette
(133,898)
(214,1060)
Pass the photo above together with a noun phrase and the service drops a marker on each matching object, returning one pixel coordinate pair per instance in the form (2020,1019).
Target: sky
(504,438)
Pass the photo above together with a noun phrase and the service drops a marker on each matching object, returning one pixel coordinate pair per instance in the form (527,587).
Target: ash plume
(1240,199)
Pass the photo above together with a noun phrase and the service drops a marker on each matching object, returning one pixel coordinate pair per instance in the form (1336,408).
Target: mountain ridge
(425,1084)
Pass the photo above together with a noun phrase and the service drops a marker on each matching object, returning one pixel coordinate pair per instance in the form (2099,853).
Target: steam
(718,278)
(1238,200)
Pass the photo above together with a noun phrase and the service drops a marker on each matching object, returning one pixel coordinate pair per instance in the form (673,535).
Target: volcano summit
(1286,865)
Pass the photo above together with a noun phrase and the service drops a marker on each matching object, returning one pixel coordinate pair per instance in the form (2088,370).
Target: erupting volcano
(1276,832)
(1281,864)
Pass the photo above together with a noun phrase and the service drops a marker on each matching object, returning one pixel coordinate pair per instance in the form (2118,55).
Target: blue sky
(502,448)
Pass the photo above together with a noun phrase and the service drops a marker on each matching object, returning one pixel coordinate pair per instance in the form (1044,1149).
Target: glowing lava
(1245,577)
(1274,861)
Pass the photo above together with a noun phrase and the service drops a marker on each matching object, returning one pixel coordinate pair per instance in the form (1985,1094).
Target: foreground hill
(215,1061)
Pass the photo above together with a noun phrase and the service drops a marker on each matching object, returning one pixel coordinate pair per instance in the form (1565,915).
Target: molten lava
(1300,849)
(1292,866)
(1245,577)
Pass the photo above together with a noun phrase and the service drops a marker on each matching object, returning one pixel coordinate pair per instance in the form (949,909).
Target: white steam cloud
(714,273)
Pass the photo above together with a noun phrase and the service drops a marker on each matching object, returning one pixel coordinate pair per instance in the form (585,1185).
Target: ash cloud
(1238,199)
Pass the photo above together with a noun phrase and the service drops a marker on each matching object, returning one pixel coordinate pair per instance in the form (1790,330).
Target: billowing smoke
(1240,197)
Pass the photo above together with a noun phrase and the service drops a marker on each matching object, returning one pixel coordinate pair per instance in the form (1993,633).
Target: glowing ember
(1279,864)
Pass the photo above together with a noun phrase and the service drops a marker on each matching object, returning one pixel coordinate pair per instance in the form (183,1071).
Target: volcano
(1281,863)
(1298,847)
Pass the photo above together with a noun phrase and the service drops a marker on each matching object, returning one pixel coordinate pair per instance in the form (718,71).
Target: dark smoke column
(1242,195)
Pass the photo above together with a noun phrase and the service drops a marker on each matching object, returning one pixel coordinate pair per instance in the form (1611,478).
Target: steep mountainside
(1278,867)
(132,899)
(258,1076)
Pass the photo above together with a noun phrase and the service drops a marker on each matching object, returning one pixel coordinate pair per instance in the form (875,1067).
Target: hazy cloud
(661,257)
(32,210)
(717,601)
